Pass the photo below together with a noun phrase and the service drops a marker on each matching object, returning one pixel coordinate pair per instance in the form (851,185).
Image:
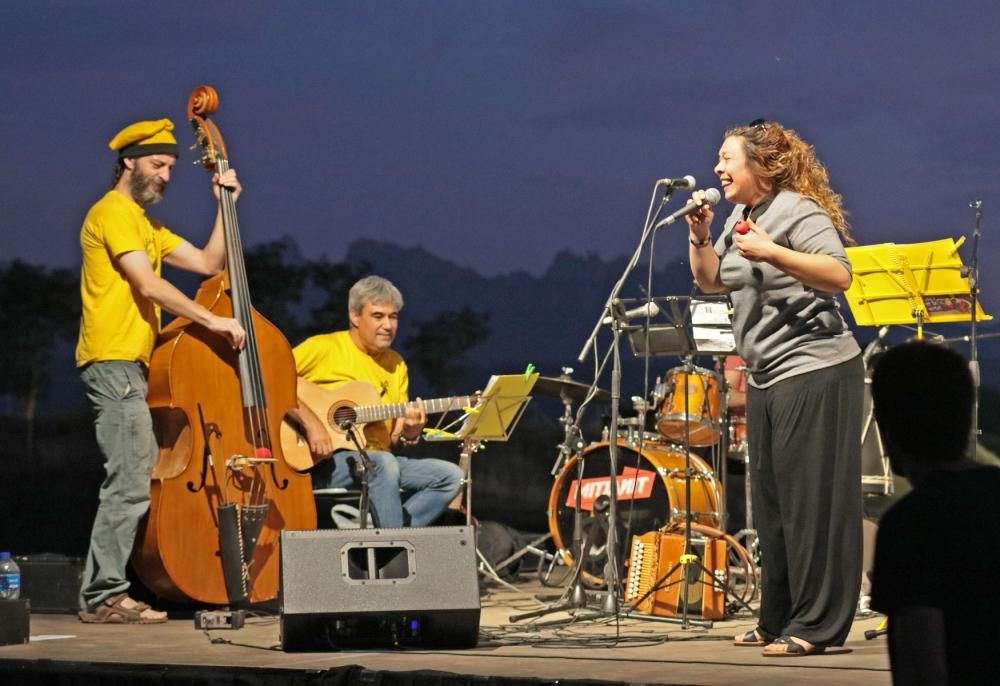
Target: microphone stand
(977,205)
(363,468)
(613,309)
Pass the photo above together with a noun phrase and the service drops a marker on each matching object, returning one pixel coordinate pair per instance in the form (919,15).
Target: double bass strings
(251,378)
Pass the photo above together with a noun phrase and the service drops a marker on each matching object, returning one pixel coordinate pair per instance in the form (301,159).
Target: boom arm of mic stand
(647,230)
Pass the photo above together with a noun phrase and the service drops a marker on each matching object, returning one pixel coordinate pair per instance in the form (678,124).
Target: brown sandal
(111,611)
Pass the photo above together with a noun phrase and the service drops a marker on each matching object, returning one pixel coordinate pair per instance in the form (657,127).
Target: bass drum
(651,493)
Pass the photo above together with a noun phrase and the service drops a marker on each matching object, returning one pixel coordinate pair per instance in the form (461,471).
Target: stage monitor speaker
(379,588)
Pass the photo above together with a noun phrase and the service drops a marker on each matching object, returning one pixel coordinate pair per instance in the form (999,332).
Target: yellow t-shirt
(117,324)
(331,359)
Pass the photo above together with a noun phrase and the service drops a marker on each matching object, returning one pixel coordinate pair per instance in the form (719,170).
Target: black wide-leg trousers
(805,459)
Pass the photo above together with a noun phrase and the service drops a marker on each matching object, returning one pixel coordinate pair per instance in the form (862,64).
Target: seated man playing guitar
(363,354)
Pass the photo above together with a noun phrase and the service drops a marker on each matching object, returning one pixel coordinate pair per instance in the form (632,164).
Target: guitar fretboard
(380,413)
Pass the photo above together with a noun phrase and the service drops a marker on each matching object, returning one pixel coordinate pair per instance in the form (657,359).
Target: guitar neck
(380,413)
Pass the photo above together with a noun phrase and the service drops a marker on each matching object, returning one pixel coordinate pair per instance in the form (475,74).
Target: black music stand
(671,332)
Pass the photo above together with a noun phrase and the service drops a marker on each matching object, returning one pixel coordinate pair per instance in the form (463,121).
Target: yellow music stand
(494,417)
(498,412)
(919,283)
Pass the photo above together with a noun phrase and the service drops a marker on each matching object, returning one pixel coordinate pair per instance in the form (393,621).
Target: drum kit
(662,483)
(642,487)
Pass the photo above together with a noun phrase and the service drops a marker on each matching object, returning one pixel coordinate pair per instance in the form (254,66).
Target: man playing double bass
(122,292)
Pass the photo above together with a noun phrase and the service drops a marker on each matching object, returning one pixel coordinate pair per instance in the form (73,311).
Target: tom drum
(691,413)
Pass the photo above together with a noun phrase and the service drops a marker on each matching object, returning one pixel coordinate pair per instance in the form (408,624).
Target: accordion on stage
(656,576)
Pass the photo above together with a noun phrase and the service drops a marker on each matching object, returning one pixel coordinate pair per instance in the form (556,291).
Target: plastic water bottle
(10,578)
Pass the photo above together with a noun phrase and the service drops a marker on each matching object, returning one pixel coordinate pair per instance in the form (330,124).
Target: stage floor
(633,650)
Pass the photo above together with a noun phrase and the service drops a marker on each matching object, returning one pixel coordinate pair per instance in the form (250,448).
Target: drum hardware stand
(575,596)
(573,443)
(572,438)
(748,534)
(723,445)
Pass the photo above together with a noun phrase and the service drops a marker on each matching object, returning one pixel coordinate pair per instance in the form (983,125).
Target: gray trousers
(805,461)
(117,393)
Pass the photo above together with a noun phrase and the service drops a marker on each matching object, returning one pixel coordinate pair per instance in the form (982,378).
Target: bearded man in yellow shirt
(123,292)
(363,353)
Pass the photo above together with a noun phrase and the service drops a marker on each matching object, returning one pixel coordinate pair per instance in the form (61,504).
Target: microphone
(712,197)
(683,182)
(649,309)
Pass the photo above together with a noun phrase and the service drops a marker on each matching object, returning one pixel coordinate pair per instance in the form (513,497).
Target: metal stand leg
(364,469)
(748,534)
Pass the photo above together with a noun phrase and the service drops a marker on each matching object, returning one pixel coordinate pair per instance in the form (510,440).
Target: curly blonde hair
(789,163)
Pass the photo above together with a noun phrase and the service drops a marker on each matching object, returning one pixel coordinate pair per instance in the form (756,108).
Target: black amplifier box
(51,582)
(15,621)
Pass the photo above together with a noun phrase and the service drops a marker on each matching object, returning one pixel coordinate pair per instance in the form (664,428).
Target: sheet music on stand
(497,413)
(684,325)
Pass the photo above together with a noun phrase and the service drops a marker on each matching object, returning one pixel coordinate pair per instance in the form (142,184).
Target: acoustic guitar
(354,404)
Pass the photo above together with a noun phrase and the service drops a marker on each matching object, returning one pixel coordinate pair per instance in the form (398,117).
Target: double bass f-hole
(208,431)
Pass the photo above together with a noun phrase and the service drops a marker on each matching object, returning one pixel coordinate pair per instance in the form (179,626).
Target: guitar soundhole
(341,415)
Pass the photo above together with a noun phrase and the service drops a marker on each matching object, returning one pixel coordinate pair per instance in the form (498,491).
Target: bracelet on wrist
(707,240)
(403,440)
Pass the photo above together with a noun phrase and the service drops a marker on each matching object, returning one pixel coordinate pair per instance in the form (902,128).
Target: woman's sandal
(112,611)
(755,638)
(785,646)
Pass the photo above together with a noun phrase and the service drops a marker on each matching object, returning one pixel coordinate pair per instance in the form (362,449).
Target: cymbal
(574,390)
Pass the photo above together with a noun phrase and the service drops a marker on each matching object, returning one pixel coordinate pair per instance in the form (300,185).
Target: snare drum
(695,412)
(651,493)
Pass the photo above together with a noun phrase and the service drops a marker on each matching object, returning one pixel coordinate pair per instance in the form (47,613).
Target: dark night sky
(499,133)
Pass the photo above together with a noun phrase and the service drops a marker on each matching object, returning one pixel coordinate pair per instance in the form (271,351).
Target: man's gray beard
(141,187)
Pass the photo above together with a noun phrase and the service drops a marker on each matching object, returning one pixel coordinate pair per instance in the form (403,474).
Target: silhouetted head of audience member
(922,394)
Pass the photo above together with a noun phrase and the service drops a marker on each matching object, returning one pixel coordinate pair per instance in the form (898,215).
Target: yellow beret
(145,138)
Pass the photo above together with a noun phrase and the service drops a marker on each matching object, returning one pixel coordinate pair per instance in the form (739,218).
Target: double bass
(221,490)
